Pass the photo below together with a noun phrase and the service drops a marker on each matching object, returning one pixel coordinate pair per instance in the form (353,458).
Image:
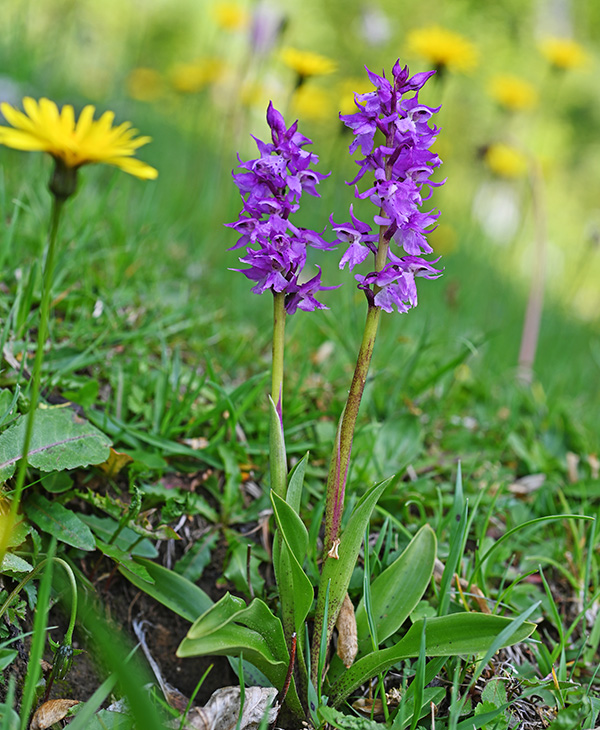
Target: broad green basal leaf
(396,592)
(453,635)
(291,576)
(252,631)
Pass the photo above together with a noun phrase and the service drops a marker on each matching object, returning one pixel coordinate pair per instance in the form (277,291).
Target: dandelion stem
(57,206)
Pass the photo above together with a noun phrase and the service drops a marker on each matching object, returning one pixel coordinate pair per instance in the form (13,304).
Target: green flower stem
(278,348)
(69,635)
(277,457)
(57,206)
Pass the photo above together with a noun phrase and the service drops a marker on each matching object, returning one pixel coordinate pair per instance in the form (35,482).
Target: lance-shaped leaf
(453,635)
(216,616)
(124,560)
(337,572)
(296,483)
(286,575)
(396,592)
(292,550)
(277,455)
(60,440)
(171,589)
(228,630)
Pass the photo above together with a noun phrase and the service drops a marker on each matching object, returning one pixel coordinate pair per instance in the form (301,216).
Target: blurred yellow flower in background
(443,48)
(190,78)
(230,16)
(563,53)
(506,161)
(312,102)
(306,63)
(513,92)
(144,84)
(42,127)
(444,239)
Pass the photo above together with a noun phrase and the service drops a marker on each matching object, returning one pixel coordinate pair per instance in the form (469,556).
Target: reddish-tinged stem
(288,678)
(338,471)
(340,459)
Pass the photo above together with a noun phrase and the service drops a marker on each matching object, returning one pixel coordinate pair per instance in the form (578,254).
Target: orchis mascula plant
(392,129)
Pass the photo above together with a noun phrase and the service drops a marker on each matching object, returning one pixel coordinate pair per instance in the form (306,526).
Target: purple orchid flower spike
(402,167)
(271,187)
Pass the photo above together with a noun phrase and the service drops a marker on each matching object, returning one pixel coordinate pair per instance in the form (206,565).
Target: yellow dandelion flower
(144,84)
(230,16)
(311,102)
(306,63)
(563,53)
(73,144)
(443,48)
(513,92)
(506,161)
(190,78)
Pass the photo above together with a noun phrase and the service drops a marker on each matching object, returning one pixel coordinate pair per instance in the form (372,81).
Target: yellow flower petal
(17,139)
(85,121)
(67,119)
(48,110)
(16,118)
(135,167)
(31,109)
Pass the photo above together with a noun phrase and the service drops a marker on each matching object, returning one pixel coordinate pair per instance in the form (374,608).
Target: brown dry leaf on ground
(51,712)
